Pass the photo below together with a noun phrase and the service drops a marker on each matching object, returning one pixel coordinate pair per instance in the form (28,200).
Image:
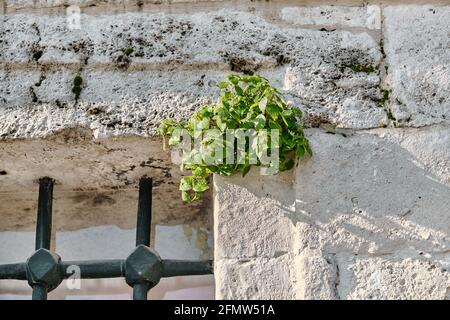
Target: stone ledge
(96,182)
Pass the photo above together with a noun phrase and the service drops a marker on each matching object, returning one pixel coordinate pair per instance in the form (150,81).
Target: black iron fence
(142,269)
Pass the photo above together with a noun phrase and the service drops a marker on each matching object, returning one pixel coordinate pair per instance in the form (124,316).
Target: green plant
(247,103)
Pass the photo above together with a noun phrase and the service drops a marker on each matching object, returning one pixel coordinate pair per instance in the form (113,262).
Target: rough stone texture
(362,17)
(264,222)
(381,278)
(247,280)
(168,74)
(366,205)
(18,4)
(419,63)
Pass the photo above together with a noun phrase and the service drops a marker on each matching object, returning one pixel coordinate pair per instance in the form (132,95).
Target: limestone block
(24,4)
(395,279)
(416,45)
(317,276)
(365,203)
(140,68)
(332,16)
(367,194)
(260,278)
(261,213)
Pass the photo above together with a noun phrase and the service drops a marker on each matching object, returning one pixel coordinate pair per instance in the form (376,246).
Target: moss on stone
(76,89)
(361,68)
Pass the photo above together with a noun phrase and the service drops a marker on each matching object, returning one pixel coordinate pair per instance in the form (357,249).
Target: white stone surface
(364,204)
(254,279)
(416,44)
(334,16)
(176,63)
(20,4)
(381,279)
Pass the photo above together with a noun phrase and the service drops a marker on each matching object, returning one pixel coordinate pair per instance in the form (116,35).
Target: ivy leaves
(248,104)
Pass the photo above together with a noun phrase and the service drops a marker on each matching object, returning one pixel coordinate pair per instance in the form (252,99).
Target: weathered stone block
(261,213)
(398,279)
(370,195)
(361,195)
(334,16)
(260,278)
(140,68)
(416,45)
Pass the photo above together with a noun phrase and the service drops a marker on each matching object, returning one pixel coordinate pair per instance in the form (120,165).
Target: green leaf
(200,185)
(247,125)
(175,138)
(186,183)
(245,170)
(300,151)
(260,122)
(238,89)
(273,111)
(223,84)
(185,196)
(233,79)
(274,125)
(199,172)
(202,124)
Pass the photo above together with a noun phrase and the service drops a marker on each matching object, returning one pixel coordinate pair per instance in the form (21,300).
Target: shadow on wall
(368,194)
(361,219)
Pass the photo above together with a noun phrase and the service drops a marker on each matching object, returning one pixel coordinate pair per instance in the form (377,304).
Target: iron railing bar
(173,268)
(143,228)
(39,292)
(113,268)
(15,271)
(144,215)
(44,214)
(43,227)
(140,291)
(95,269)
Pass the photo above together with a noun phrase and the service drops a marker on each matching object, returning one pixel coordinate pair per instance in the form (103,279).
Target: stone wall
(366,217)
